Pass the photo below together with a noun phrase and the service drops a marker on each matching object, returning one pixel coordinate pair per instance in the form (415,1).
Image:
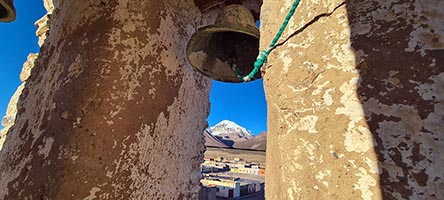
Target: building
(207,192)
(225,188)
(228,187)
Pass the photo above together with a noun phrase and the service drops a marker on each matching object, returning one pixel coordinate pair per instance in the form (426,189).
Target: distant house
(246,170)
(224,188)
(207,192)
(210,165)
(227,187)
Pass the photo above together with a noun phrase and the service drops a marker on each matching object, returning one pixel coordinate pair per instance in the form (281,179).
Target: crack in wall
(315,19)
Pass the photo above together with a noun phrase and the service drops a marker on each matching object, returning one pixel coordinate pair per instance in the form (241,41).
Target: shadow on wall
(399,50)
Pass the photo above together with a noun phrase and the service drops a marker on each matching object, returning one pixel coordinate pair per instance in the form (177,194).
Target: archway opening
(236,139)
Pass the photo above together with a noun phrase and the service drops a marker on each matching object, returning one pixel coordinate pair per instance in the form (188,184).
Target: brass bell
(7,11)
(204,5)
(226,51)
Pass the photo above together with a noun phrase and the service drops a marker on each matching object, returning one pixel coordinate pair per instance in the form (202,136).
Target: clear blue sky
(243,103)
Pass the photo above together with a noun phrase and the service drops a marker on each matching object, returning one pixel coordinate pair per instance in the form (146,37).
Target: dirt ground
(250,156)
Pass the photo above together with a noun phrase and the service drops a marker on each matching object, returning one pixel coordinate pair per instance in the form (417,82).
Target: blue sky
(243,103)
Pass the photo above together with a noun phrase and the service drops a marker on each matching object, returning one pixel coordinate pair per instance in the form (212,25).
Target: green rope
(262,58)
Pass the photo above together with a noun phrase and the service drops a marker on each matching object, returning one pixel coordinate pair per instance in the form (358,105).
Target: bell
(204,5)
(7,11)
(226,51)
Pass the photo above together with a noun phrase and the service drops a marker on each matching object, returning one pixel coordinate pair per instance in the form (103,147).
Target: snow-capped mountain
(229,132)
(227,126)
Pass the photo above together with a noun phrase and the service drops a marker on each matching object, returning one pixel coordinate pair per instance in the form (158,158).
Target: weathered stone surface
(11,110)
(49,6)
(8,119)
(43,24)
(42,28)
(3,133)
(27,66)
(112,109)
(355,100)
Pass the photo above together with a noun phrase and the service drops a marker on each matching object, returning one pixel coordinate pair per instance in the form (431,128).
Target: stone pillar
(112,109)
(355,100)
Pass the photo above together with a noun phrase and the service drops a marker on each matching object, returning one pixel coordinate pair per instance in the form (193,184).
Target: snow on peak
(227,127)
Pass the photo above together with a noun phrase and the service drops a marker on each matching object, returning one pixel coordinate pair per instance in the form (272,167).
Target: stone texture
(42,28)
(355,100)
(112,109)
(27,66)
(43,24)
(49,6)
(11,110)
(3,134)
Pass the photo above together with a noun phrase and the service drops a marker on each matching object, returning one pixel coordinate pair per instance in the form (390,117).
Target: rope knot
(260,60)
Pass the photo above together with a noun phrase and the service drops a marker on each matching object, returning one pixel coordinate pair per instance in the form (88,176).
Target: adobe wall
(111,110)
(355,100)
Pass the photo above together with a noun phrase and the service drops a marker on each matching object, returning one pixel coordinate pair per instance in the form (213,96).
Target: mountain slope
(212,141)
(257,143)
(230,133)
